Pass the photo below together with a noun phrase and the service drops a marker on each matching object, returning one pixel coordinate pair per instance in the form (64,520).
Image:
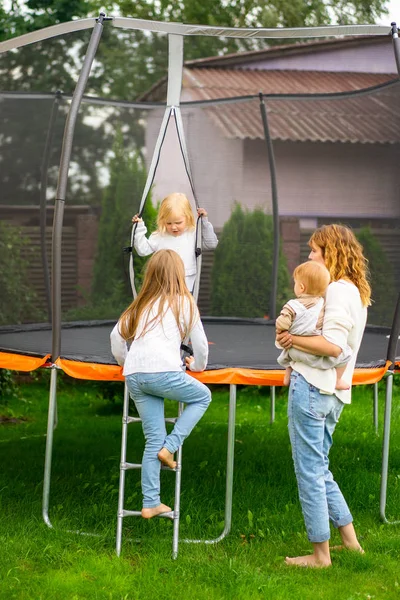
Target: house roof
(212,83)
(237,59)
(372,117)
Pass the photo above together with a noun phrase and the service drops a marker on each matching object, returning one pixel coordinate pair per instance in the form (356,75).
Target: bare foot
(167,458)
(310,561)
(356,548)
(342,385)
(148,513)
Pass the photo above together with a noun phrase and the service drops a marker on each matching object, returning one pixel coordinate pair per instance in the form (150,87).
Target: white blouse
(158,350)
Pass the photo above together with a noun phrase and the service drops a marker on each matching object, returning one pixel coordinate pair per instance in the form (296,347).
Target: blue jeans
(312,421)
(148,391)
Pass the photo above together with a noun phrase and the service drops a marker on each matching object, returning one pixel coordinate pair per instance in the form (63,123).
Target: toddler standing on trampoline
(176,230)
(304,315)
(161,316)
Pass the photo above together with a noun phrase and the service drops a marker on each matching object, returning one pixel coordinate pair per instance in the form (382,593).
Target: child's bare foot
(310,561)
(356,548)
(342,385)
(148,513)
(166,458)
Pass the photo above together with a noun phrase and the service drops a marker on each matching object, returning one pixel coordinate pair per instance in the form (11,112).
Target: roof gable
(246,59)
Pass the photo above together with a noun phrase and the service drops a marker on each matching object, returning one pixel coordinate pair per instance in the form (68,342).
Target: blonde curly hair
(343,256)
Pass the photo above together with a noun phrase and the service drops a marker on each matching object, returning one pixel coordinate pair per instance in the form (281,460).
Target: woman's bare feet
(310,561)
(166,458)
(349,539)
(148,513)
(319,559)
(340,547)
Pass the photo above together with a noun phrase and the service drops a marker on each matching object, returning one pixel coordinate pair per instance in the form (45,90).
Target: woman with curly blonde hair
(314,404)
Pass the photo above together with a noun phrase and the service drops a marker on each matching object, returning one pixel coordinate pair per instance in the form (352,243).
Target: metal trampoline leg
(229,471)
(272,404)
(385,448)
(177,503)
(121,492)
(49,445)
(375,408)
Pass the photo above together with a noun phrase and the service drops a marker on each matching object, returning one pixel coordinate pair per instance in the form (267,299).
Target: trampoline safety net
(335,139)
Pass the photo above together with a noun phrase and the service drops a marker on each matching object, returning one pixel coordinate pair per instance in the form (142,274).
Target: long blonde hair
(176,204)
(164,281)
(343,256)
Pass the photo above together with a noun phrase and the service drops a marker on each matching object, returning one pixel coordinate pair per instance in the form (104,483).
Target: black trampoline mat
(233,343)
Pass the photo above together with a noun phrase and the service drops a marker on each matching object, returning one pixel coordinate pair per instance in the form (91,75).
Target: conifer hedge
(242,269)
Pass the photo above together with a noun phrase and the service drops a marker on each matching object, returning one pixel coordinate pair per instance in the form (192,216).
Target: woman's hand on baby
(136,219)
(188,361)
(284,339)
(202,212)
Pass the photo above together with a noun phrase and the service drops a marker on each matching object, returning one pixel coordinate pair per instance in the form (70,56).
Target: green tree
(242,269)
(18,299)
(120,202)
(130,62)
(382,279)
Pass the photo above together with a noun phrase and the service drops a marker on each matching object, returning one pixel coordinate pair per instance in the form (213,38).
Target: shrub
(18,299)
(111,290)
(242,269)
(381,279)
(8,387)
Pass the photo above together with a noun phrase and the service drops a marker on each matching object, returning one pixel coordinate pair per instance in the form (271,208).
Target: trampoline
(242,350)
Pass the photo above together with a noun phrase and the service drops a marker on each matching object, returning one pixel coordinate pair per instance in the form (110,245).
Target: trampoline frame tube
(230,457)
(396,45)
(56,249)
(43,194)
(275,207)
(393,342)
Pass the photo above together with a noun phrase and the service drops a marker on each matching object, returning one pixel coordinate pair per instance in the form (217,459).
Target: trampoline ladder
(125,466)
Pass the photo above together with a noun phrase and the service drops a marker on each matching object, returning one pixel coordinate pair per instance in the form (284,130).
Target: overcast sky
(394,13)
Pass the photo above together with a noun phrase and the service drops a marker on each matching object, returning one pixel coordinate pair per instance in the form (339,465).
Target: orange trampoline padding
(100,372)
(22,362)
(92,371)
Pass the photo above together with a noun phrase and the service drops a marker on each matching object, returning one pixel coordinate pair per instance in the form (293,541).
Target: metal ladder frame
(175,514)
(125,466)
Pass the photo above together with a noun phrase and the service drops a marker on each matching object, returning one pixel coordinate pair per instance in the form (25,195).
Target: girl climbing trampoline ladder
(172,110)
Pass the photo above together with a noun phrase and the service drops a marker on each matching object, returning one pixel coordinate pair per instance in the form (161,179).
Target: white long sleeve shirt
(344,324)
(158,350)
(183,244)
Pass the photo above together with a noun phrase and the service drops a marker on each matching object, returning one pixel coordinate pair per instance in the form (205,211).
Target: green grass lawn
(38,563)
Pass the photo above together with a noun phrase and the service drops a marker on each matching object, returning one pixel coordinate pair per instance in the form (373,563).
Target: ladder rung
(139,420)
(133,420)
(127,466)
(137,513)
(131,513)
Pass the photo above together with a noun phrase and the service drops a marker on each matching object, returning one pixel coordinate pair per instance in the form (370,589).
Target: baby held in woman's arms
(304,315)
